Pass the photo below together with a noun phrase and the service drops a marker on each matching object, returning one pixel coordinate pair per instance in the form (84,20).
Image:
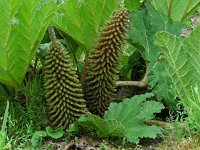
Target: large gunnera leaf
(126,119)
(131,113)
(82,19)
(181,60)
(177,10)
(23,24)
(147,23)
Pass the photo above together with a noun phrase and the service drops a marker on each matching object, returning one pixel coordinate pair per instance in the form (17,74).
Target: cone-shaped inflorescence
(102,69)
(64,97)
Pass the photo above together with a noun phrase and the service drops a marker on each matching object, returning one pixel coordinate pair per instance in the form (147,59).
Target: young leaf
(54,133)
(73,128)
(130,57)
(23,24)
(37,137)
(82,19)
(132,112)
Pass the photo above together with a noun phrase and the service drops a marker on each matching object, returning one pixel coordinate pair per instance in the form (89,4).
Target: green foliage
(54,134)
(4,96)
(43,50)
(34,108)
(162,87)
(177,10)
(132,112)
(101,75)
(63,92)
(104,128)
(3,132)
(125,119)
(132,5)
(147,23)
(128,59)
(27,105)
(181,61)
(23,24)
(21,131)
(73,127)
(192,106)
(82,19)
(37,137)
(26,114)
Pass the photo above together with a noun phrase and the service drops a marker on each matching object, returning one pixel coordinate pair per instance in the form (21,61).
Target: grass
(3,131)
(180,136)
(26,113)
(189,143)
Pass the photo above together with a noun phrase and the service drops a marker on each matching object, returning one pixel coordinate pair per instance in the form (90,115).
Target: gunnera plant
(102,70)
(63,93)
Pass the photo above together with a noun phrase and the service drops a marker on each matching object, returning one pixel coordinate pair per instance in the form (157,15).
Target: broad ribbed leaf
(23,24)
(82,19)
(147,23)
(176,9)
(104,128)
(131,113)
(181,60)
(162,87)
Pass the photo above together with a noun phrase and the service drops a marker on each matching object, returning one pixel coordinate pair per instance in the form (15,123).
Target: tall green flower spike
(64,97)
(102,69)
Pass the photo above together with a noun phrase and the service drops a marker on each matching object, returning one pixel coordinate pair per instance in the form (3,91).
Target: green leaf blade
(132,5)
(131,113)
(181,60)
(25,23)
(104,128)
(82,19)
(141,130)
(177,10)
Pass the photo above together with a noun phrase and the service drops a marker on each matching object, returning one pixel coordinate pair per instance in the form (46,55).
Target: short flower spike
(64,97)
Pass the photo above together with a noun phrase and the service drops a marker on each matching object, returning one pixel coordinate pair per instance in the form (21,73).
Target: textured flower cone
(102,70)
(64,98)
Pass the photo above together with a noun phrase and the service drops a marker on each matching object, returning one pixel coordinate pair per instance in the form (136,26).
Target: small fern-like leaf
(101,74)
(63,94)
